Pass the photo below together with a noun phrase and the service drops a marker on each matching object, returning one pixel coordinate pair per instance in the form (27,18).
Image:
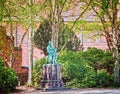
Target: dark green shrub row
(91,68)
(99,59)
(75,69)
(8,78)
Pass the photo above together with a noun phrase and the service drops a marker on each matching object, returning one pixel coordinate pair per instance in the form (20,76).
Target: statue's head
(50,44)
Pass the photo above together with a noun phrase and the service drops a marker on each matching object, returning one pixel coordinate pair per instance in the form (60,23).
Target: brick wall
(22,72)
(23,76)
(18,59)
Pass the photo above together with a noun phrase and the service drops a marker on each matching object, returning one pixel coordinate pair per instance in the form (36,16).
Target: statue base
(51,78)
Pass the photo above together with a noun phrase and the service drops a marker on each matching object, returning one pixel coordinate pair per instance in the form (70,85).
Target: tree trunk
(30,54)
(56,16)
(115,41)
(53,39)
(30,58)
(115,55)
(11,44)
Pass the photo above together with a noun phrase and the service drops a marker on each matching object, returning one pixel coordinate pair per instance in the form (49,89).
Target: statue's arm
(51,50)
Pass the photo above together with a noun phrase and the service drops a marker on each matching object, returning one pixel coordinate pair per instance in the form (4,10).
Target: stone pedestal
(51,78)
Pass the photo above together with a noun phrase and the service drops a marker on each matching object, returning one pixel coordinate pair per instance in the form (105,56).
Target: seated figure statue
(52,53)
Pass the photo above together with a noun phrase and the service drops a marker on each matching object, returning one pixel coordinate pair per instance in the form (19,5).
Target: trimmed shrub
(86,69)
(99,59)
(95,56)
(8,78)
(76,71)
(91,68)
(103,78)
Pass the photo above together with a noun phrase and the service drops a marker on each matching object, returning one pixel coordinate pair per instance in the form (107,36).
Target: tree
(22,11)
(27,10)
(54,10)
(30,55)
(1,9)
(4,45)
(30,12)
(106,11)
(115,34)
(8,12)
(43,35)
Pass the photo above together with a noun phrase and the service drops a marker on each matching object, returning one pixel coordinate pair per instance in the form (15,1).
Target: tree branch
(81,14)
(24,36)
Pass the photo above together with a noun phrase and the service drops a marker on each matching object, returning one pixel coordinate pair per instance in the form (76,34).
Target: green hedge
(91,68)
(99,59)
(76,70)
(8,78)
(85,69)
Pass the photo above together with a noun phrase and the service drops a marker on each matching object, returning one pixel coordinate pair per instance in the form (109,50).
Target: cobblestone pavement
(74,91)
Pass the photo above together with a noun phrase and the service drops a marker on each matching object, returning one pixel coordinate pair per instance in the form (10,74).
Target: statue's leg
(51,62)
(55,59)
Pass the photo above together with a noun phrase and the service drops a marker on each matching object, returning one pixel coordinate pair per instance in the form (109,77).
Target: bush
(2,64)
(99,59)
(102,63)
(37,71)
(103,78)
(86,69)
(95,56)
(8,78)
(108,62)
(76,70)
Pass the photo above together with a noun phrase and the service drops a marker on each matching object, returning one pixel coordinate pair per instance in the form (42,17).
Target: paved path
(75,91)
(79,91)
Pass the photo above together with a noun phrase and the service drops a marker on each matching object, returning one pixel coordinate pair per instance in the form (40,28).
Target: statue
(51,75)
(52,53)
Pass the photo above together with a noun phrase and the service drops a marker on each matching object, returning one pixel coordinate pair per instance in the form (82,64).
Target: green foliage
(86,27)
(74,63)
(95,56)
(2,64)
(8,78)
(105,4)
(103,78)
(103,63)
(108,62)
(99,59)
(43,35)
(78,69)
(1,9)
(37,71)
(92,68)
(68,36)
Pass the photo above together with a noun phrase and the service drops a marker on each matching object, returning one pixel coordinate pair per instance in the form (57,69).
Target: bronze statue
(52,53)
